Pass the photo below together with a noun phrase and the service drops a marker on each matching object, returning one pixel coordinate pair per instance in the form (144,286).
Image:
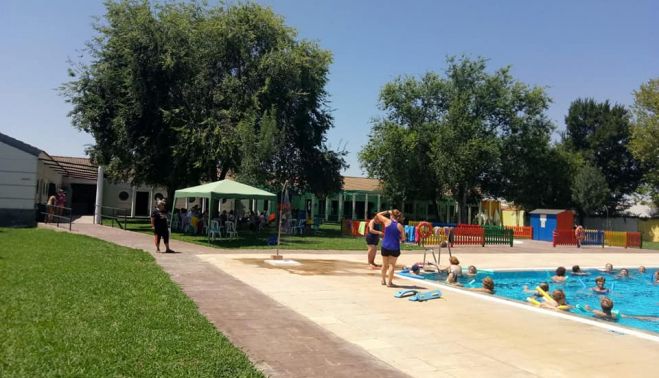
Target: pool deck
(332,311)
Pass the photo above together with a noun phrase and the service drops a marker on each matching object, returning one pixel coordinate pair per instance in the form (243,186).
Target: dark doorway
(83,198)
(142,204)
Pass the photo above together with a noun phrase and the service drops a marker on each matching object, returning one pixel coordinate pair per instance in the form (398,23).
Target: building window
(123,195)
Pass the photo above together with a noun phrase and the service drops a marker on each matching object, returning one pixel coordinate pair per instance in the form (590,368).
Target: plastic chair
(231,229)
(214,230)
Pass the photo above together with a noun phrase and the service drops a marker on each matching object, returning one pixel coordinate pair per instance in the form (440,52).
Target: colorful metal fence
(498,235)
(615,239)
(468,235)
(438,237)
(634,240)
(521,232)
(593,237)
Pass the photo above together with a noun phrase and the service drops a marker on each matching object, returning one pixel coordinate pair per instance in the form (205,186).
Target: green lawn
(75,306)
(650,245)
(328,238)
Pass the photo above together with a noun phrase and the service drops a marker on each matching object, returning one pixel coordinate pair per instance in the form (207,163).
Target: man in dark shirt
(159,225)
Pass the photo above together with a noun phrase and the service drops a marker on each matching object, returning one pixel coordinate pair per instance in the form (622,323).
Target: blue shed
(545,221)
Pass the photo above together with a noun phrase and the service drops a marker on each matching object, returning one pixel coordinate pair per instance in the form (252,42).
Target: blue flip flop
(406,293)
(428,295)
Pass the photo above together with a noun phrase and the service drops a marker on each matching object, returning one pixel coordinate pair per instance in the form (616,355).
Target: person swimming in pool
(455,267)
(543,285)
(608,268)
(488,286)
(624,273)
(472,271)
(576,271)
(557,301)
(599,285)
(560,275)
(452,279)
(655,277)
(641,269)
(606,313)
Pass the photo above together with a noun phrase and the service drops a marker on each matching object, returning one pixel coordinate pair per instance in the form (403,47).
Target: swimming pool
(635,295)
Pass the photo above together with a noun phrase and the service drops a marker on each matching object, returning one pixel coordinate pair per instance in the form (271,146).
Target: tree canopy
(464,134)
(600,133)
(176,93)
(644,143)
(589,190)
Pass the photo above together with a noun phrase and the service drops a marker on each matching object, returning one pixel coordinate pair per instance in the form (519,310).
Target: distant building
(28,175)
(545,221)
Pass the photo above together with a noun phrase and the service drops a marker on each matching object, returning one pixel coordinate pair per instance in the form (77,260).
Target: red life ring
(425,229)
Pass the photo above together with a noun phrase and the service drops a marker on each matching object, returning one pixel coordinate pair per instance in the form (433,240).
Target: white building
(28,175)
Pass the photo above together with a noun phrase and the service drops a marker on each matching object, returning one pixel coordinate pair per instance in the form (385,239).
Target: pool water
(634,296)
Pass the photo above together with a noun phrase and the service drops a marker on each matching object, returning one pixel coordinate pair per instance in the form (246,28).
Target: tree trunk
(223,173)
(170,197)
(436,206)
(463,206)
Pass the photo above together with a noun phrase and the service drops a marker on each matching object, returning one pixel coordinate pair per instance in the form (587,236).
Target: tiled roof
(363,184)
(81,161)
(77,167)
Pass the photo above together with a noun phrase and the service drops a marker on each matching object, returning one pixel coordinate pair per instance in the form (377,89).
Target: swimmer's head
(641,269)
(488,283)
(559,296)
(560,271)
(416,268)
(472,269)
(607,304)
(608,267)
(544,286)
(576,269)
(599,281)
(656,275)
(454,260)
(624,272)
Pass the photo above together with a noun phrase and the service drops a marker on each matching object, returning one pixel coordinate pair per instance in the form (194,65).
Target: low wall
(17,218)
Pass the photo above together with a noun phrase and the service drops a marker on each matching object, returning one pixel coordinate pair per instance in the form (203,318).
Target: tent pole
(208,225)
(281,201)
(173,207)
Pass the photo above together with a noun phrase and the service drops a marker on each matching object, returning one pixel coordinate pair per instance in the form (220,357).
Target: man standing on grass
(159,225)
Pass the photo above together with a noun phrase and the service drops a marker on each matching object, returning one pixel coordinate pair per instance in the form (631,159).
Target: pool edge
(514,303)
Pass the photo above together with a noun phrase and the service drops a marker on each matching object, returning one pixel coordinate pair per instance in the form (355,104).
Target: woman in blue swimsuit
(394,233)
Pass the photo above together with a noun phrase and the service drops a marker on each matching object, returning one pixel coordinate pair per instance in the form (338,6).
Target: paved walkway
(279,341)
(458,335)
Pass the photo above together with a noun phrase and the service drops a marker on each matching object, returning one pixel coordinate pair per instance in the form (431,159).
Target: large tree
(644,143)
(600,132)
(461,134)
(176,93)
(589,190)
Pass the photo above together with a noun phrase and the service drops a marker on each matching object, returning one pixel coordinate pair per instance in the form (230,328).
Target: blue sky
(599,49)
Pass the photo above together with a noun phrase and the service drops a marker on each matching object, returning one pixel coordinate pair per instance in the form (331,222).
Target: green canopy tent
(219,190)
